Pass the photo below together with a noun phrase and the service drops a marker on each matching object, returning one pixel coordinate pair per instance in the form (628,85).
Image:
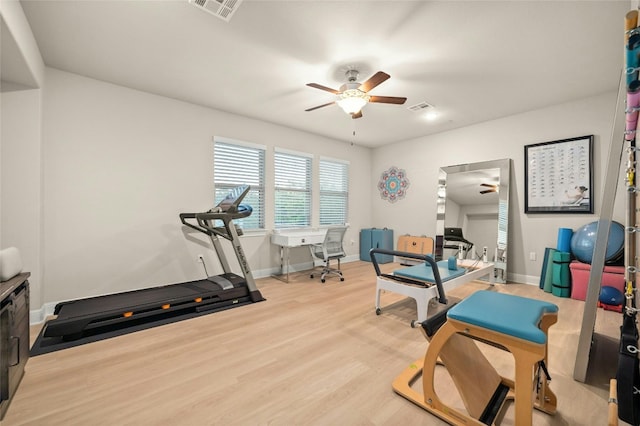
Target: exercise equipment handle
(198,227)
(422,257)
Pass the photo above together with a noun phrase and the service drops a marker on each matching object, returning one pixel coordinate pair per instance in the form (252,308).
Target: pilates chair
(512,323)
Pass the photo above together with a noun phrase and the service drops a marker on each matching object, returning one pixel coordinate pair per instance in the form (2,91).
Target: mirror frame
(504,165)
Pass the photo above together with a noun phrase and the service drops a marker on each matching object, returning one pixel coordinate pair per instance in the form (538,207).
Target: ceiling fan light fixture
(352,100)
(353,96)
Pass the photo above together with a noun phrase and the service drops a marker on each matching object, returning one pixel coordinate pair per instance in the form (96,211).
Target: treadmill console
(231,202)
(226,210)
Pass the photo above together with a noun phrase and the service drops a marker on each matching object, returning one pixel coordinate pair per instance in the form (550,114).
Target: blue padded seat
(424,272)
(512,315)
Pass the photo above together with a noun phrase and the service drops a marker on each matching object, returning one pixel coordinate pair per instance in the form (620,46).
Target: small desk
(288,239)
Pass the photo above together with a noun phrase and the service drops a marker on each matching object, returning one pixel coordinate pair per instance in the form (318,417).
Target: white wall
(21,189)
(25,52)
(20,145)
(503,138)
(120,165)
(480,226)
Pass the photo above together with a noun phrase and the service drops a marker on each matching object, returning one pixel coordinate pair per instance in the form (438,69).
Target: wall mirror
(474,198)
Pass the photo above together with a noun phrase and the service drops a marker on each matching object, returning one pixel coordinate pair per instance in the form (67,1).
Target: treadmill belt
(87,320)
(122,301)
(44,345)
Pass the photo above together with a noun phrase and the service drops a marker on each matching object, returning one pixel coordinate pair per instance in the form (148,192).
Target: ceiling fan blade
(376,79)
(325,88)
(387,100)
(320,106)
(355,115)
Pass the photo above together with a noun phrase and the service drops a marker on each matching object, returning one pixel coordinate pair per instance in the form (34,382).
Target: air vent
(420,107)
(223,9)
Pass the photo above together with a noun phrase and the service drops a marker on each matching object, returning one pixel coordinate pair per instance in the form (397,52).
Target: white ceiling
(474,61)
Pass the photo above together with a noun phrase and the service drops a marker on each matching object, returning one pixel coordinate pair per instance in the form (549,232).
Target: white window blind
(292,190)
(238,164)
(334,192)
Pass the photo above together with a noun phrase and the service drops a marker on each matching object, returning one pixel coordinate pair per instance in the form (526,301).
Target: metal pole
(602,236)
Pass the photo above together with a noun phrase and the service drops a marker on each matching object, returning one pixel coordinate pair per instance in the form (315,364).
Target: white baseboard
(523,279)
(299,267)
(38,316)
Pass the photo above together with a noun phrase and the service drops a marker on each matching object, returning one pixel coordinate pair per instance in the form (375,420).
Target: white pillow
(10,263)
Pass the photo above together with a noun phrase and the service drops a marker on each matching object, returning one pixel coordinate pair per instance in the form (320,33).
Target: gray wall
(502,138)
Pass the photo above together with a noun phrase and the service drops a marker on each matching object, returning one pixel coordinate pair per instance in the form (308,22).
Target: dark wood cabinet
(14,336)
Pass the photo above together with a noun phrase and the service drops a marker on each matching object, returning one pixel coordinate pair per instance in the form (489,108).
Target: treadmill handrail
(428,259)
(205,220)
(203,226)
(185,216)
(458,240)
(241,211)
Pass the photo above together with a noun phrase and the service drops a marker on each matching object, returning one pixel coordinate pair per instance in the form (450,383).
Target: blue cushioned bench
(505,313)
(424,272)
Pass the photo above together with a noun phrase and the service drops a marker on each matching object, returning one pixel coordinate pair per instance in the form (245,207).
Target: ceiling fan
(492,188)
(353,95)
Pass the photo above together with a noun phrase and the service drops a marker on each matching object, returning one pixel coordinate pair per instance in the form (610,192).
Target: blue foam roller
(564,239)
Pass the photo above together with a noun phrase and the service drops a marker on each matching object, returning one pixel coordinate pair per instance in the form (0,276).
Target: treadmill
(105,314)
(459,241)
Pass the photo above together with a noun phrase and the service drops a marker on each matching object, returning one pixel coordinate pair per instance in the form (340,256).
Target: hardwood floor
(312,354)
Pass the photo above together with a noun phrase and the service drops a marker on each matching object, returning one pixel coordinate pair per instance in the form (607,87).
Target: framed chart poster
(559,176)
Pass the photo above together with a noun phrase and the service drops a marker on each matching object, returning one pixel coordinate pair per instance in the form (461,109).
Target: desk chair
(330,249)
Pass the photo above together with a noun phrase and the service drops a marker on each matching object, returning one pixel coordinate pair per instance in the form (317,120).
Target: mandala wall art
(393,184)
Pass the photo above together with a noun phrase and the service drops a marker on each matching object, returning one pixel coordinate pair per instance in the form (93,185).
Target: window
(292,190)
(334,192)
(237,163)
